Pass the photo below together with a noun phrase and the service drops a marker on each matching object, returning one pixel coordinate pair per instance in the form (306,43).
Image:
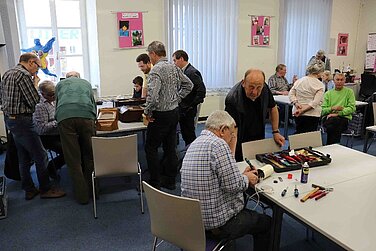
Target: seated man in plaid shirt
(209,174)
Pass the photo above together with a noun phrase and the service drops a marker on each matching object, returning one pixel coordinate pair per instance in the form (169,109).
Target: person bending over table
(209,174)
(337,109)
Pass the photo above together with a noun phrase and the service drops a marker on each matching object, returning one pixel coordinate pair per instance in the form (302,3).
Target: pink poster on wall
(260,30)
(343,41)
(130,27)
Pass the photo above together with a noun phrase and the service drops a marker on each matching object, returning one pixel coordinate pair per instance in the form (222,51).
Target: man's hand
(252,177)
(337,108)
(149,119)
(332,115)
(279,139)
(36,80)
(285,93)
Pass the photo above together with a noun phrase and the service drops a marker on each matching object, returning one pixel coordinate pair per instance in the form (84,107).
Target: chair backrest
(115,155)
(251,148)
(175,219)
(374,112)
(305,139)
(367,86)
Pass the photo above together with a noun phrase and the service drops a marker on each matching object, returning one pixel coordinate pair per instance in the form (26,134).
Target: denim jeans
(29,148)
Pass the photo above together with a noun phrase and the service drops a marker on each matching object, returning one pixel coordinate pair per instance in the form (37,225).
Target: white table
(346,215)
(126,128)
(285,100)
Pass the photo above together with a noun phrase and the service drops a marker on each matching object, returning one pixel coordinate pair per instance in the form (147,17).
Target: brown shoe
(52,193)
(29,195)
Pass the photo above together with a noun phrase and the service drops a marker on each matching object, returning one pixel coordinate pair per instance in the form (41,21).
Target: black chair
(367,86)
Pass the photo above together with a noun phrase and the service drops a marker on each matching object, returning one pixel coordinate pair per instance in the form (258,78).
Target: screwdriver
(284,191)
(296,192)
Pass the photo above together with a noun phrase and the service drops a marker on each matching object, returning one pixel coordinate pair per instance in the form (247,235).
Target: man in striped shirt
(167,86)
(209,174)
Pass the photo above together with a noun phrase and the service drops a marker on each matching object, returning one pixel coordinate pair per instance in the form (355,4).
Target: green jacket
(75,99)
(344,97)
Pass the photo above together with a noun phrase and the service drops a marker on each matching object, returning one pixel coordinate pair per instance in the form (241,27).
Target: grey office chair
(115,156)
(177,220)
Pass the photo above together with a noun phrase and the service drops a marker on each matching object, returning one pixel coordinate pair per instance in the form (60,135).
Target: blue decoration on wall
(42,52)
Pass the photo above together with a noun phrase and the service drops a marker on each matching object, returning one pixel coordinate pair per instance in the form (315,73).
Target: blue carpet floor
(62,224)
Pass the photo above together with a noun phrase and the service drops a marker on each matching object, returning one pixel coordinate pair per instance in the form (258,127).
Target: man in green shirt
(337,109)
(75,114)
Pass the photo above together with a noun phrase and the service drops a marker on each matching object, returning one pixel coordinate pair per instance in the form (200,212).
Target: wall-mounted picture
(260,30)
(137,38)
(131,31)
(342,45)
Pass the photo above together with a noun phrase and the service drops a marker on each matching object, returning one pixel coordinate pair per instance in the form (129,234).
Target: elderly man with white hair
(75,114)
(209,174)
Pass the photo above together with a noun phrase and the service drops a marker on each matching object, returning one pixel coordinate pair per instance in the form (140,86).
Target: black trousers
(334,127)
(52,142)
(162,132)
(306,124)
(187,124)
(246,222)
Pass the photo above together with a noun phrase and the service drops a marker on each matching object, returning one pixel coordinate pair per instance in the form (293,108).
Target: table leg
(276,227)
(365,141)
(286,126)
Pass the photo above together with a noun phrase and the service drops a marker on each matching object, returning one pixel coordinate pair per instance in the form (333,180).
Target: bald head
(253,83)
(72,74)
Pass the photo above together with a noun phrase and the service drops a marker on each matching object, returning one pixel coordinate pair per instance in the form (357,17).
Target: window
(305,29)
(207,31)
(62,19)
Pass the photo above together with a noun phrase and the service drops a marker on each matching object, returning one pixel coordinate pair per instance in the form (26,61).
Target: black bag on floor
(11,170)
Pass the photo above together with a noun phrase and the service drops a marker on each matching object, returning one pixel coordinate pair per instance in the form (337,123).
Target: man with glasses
(19,96)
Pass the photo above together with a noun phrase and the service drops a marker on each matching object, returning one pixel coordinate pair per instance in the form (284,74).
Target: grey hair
(328,74)
(316,67)
(73,74)
(218,119)
(46,86)
(339,74)
(158,48)
(320,53)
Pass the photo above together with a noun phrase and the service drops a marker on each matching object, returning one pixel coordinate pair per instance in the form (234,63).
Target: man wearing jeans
(167,87)
(19,96)
(209,174)
(75,114)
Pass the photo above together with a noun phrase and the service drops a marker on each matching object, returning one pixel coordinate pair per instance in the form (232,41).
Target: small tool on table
(296,192)
(250,164)
(284,191)
(309,194)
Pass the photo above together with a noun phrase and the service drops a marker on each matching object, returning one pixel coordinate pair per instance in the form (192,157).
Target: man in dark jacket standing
(188,106)
(249,102)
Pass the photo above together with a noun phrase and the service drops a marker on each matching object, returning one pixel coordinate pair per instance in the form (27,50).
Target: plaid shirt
(280,84)
(44,118)
(18,94)
(209,174)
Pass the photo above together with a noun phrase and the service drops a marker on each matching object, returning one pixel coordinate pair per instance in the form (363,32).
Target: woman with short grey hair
(307,95)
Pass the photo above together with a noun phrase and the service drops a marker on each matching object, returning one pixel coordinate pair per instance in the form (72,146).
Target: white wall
(367,25)
(118,67)
(264,58)
(345,19)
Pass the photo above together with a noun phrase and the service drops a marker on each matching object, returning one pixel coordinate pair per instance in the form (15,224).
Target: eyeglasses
(39,66)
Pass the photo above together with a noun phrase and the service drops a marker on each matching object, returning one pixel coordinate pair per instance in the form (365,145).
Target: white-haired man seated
(209,174)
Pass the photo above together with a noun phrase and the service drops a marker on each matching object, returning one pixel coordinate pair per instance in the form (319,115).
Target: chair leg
(94,198)
(140,185)
(155,243)
(365,142)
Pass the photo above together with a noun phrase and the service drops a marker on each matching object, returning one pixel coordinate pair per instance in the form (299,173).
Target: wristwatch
(276,131)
